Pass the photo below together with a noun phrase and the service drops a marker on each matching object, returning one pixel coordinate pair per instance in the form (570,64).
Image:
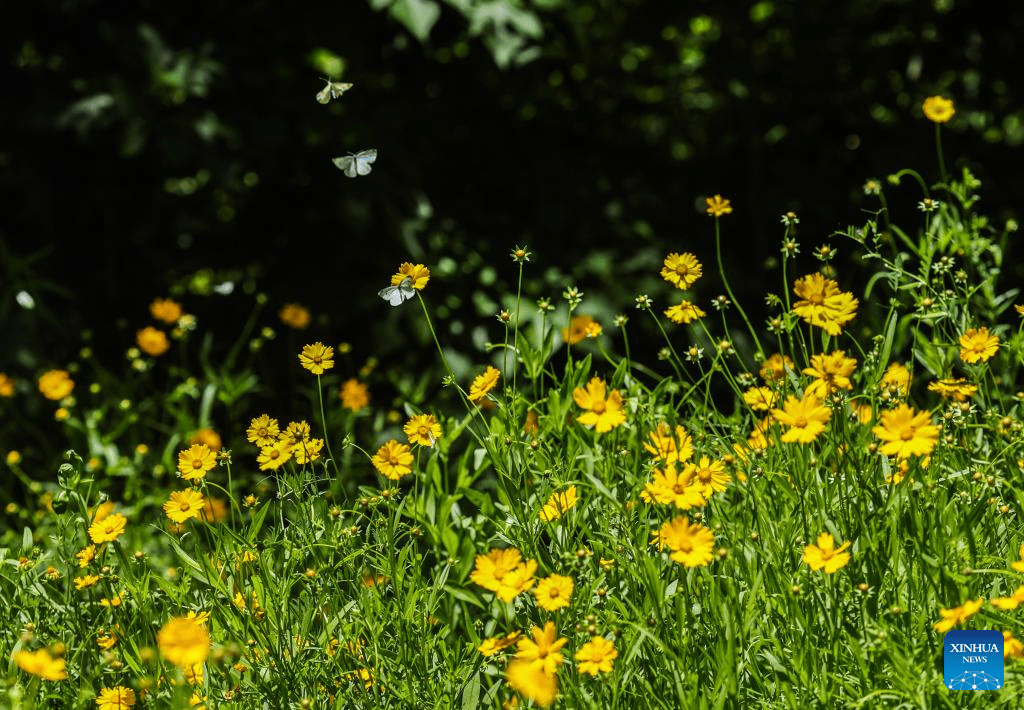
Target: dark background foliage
(145,142)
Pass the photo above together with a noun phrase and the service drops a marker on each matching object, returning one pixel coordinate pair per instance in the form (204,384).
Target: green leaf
(418,16)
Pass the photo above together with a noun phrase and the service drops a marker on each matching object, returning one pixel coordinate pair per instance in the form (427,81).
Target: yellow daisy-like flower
(494,645)
(957,615)
(263,431)
(86,555)
(184,642)
(6,385)
(491,568)
(307,451)
(1012,647)
(831,372)
(207,436)
(681,270)
(86,581)
(558,504)
(554,592)
(596,656)
(806,418)
(822,304)
(602,414)
(774,368)
(393,460)
(56,384)
(417,273)
(938,109)
(825,555)
(956,389)
(183,505)
(667,486)
(1018,566)
(274,456)
(896,379)
(532,682)
(669,446)
(976,345)
(165,310)
(519,580)
(684,313)
(423,429)
(483,384)
(354,395)
(195,461)
(579,327)
(1010,602)
(295,316)
(41,663)
(152,341)
(108,528)
(718,206)
(544,649)
(906,432)
(116,698)
(317,358)
(760,399)
(691,545)
(710,476)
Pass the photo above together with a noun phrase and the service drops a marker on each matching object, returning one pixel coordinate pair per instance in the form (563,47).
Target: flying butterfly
(333,90)
(358,164)
(396,294)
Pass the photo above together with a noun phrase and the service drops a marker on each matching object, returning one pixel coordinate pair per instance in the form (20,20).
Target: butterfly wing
(364,159)
(391,294)
(347,164)
(405,288)
(337,88)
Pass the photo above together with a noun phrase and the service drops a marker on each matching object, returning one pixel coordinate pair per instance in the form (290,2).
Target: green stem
(728,288)
(323,420)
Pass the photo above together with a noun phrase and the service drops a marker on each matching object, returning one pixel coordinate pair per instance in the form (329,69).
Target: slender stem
(323,421)
(942,162)
(728,288)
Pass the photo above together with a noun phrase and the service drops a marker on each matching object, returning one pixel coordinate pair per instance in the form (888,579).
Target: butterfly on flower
(395,295)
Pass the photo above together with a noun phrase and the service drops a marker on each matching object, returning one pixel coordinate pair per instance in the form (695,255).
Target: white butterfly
(396,294)
(358,164)
(333,90)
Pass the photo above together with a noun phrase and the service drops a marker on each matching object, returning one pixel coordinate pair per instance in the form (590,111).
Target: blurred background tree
(153,146)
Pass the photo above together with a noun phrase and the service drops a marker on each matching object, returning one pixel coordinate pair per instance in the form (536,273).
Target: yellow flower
(504,573)
(423,429)
(317,358)
(263,431)
(976,345)
(822,304)
(906,432)
(483,384)
(596,656)
(691,545)
(774,368)
(152,341)
(6,385)
(604,415)
(183,505)
(116,698)
(417,273)
(558,504)
(717,206)
(86,555)
(294,316)
(831,372)
(531,425)
(207,436)
(957,615)
(1010,602)
(805,417)
(274,456)
(826,555)
(307,451)
(684,313)
(295,433)
(671,487)
(496,644)
(760,399)
(1012,647)
(41,663)
(956,389)
(681,270)
(938,109)
(354,395)
(532,682)
(13,457)
(86,581)
(1019,564)
(517,581)
(543,651)
(184,642)
(56,384)
(195,461)
(553,592)
(710,476)
(393,460)
(166,310)
(896,379)
(108,528)
(667,447)
(579,328)
(106,641)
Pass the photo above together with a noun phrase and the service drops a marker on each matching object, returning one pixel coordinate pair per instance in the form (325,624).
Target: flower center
(907,434)
(800,421)
(197,464)
(184,506)
(816,298)
(682,269)
(317,359)
(598,407)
